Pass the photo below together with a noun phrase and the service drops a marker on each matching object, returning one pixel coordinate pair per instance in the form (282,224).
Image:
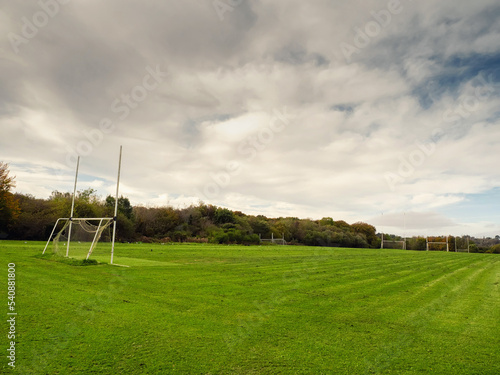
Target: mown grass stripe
(255,310)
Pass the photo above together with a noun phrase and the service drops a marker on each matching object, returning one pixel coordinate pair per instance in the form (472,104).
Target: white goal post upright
(116,205)
(72,205)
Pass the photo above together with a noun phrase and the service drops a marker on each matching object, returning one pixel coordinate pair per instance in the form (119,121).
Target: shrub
(494,249)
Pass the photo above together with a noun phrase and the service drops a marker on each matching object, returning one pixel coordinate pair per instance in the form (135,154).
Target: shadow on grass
(68,261)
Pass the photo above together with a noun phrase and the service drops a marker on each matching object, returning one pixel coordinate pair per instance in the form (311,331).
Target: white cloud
(350,123)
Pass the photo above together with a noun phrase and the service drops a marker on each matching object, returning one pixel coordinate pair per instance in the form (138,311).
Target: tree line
(25,217)
(196,223)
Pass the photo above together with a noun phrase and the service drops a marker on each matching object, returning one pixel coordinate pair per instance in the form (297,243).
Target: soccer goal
(462,244)
(437,244)
(279,241)
(392,244)
(84,230)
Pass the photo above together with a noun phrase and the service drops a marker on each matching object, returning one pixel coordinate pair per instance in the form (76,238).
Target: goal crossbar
(392,241)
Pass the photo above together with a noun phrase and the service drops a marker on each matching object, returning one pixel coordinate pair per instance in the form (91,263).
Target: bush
(231,235)
(494,249)
(89,262)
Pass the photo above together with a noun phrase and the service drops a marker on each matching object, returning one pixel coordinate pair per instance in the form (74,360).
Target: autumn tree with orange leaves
(9,205)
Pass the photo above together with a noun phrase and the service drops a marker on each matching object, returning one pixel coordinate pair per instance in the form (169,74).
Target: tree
(124,206)
(36,219)
(327,221)
(494,249)
(224,216)
(166,219)
(87,204)
(9,205)
(260,226)
(342,225)
(368,231)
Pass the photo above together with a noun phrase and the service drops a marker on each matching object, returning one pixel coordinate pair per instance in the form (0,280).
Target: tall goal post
(72,206)
(85,223)
(116,205)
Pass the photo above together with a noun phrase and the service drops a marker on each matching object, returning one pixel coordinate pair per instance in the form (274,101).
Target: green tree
(224,216)
(494,249)
(260,226)
(165,221)
(342,225)
(36,219)
(368,231)
(327,221)
(124,206)
(87,204)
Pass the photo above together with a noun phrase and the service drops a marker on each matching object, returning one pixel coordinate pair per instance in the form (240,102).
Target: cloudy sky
(381,111)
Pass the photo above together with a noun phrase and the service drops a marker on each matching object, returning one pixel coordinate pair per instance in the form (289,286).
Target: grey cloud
(352,122)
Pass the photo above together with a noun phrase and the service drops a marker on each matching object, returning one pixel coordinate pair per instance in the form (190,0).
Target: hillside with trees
(25,217)
(196,223)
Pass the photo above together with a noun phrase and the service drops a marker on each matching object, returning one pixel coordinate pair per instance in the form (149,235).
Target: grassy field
(206,309)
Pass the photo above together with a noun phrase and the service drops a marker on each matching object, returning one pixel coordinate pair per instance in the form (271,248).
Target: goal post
(389,242)
(84,223)
(462,244)
(280,241)
(433,241)
(116,205)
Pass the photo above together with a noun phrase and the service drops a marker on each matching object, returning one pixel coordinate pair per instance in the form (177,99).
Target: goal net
(390,244)
(462,244)
(437,243)
(81,238)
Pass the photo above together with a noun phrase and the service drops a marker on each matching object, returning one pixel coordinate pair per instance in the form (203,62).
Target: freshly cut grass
(257,310)
(134,262)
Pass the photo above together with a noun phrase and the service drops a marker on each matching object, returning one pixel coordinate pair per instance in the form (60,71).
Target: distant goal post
(279,241)
(462,244)
(442,243)
(390,244)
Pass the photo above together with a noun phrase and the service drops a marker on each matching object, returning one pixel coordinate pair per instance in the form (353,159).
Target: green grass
(207,309)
